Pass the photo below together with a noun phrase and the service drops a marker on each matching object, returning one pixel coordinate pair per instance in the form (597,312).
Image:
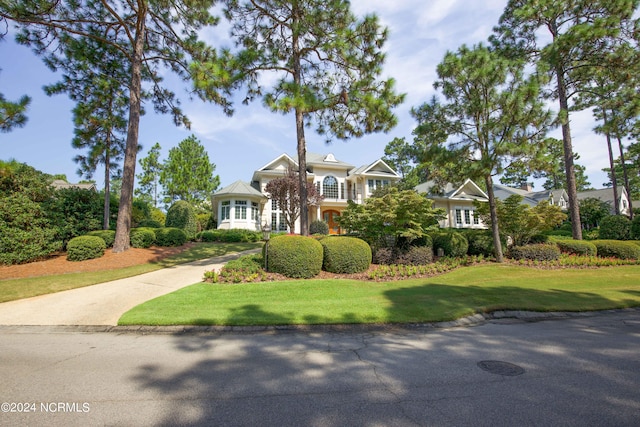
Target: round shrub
(318,227)
(480,242)
(453,243)
(294,256)
(170,236)
(536,252)
(182,215)
(344,255)
(577,247)
(416,255)
(85,247)
(142,237)
(615,227)
(109,236)
(385,256)
(207,236)
(617,249)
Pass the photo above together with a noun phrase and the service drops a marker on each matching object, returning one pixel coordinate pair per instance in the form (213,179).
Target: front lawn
(468,290)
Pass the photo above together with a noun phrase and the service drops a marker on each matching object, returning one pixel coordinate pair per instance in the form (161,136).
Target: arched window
(330,187)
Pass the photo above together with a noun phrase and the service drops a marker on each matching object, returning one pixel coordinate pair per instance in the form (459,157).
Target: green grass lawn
(468,290)
(13,289)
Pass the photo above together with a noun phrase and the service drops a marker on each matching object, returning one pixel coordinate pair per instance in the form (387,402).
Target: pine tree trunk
(123,225)
(107,195)
(626,175)
(493,211)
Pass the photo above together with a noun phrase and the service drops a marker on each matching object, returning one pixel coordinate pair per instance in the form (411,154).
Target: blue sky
(420,34)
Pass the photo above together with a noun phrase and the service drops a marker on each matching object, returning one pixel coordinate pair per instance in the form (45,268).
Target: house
(59,184)
(243,205)
(457,201)
(606,195)
(532,198)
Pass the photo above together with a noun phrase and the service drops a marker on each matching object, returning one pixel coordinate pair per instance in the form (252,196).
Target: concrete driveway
(103,304)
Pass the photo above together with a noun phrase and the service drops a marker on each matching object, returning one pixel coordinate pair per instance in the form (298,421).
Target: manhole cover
(501,368)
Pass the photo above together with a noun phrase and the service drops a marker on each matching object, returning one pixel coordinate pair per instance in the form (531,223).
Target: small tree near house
(286,192)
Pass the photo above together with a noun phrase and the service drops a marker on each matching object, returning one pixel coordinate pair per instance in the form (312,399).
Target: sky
(420,35)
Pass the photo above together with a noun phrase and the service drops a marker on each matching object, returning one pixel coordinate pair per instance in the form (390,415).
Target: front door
(330,217)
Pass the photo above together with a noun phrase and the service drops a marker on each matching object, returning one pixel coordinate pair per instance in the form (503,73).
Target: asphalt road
(582,371)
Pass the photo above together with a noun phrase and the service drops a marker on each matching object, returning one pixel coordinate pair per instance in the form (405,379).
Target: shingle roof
(239,188)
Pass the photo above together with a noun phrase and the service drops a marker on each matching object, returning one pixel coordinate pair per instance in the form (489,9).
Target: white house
(242,205)
(606,195)
(533,198)
(457,201)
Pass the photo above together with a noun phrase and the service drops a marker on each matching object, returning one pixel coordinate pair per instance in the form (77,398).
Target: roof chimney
(526,186)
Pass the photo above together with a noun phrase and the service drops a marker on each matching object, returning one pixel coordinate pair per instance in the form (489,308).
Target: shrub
(635,227)
(207,236)
(149,223)
(558,232)
(453,243)
(182,215)
(345,255)
(577,247)
(480,242)
(294,256)
(615,227)
(385,256)
(617,249)
(234,235)
(170,236)
(85,247)
(539,238)
(142,237)
(318,227)
(109,236)
(536,252)
(415,255)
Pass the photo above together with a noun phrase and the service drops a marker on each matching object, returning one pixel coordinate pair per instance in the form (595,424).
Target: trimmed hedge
(615,227)
(635,227)
(344,255)
(150,223)
(294,256)
(234,235)
(416,255)
(536,252)
(182,215)
(617,249)
(142,237)
(109,236)
(85,247)
(170,236)
(577,247)
(453,243)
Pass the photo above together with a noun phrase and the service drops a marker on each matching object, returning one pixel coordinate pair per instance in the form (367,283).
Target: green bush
(234,235)
(318,227)
(615,227)
(207,236)
(294,256)
(385,256)
(149,223)
(85,247)
(480,242)
(142,237)
(617,249)
(453,243)
(577,247)
(170,236)
(539,238)
(182,215)
(635,227)
(415,255)
(535,252)
(109,236)
(344,255)
(558,232)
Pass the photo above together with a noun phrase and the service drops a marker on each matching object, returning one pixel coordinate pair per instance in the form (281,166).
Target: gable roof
(61,183)
(604,194)
(469,190)
(532,198)
(326,160)
(378,168)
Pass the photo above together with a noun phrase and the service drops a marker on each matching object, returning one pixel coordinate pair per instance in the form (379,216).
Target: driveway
(103,304)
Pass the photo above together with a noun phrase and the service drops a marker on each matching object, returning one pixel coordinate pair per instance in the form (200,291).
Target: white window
(241,209)
(458,216)
(224,210)
(255,212)
(467,216)
(330,187)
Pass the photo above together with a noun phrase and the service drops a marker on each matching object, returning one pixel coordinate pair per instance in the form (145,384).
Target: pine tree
(149,179)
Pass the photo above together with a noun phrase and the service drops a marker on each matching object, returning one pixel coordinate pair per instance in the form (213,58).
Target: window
(374,184)
(342,190)
(476,220)
(459,216)
(330,187)
(255,212)
(241,209)
(467,216)
(225,210)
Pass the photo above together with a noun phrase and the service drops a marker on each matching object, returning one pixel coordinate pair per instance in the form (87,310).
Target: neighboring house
(336,180)
(606,195)
(61,183)
(532,198)
(457,203)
